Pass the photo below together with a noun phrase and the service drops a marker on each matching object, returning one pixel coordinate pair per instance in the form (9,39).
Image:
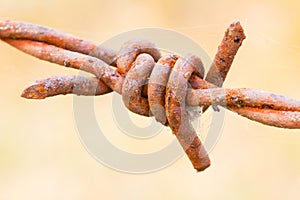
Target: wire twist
(151,84)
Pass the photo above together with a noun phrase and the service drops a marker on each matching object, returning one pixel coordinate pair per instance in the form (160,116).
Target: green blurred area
(41,156)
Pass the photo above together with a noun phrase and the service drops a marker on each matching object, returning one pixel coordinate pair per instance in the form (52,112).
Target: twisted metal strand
(27,31)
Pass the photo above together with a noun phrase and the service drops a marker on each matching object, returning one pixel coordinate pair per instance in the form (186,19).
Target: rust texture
(51,53)
(228,48)
(131,49)
(242,97)
(133,86)
(150,84)
(65,85)
(176,113)
(157,86)
(27,31)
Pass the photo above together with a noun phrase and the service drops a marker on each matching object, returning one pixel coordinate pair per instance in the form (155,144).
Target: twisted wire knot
(166,83)
(151,84)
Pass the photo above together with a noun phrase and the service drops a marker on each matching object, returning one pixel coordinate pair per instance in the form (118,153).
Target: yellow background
(41,156)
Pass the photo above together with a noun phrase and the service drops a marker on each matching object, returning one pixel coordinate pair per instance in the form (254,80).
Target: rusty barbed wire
(151,84)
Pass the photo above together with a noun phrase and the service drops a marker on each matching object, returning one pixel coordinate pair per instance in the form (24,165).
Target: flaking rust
(149,83)
(65,85)
(177,115)
(227,50)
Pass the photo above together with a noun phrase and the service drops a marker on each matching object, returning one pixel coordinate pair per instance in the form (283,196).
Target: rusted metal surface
(51,53)
(135,79)
(157,86)
(242,97)
(264,107)
(277,118)
(27,31)
(87,86)
(176,112)
(150,84)
(227,50)
(131,49)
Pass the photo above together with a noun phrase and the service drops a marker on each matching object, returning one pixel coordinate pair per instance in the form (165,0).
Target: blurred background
(41,156)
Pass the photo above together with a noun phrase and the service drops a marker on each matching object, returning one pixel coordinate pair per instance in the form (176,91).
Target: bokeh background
(41,156)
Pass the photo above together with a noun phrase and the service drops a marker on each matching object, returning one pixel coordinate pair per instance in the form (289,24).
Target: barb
(149,83)
(229,46)
(66,84)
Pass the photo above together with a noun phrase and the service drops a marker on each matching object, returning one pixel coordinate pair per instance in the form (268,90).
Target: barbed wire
(151,84)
